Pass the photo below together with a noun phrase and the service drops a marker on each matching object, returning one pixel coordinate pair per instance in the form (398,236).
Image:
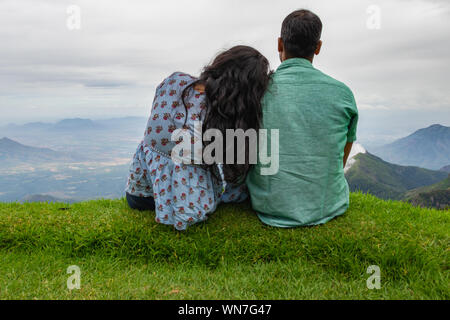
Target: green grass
(124,254)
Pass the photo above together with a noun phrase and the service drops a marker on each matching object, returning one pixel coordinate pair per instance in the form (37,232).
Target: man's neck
(309,59)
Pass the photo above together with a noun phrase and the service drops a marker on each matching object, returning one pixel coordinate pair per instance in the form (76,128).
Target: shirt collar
(295,62)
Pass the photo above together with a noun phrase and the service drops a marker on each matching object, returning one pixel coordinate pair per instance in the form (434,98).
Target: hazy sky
(109,67)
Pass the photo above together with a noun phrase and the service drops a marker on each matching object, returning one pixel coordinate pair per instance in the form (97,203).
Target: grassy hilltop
(124,254)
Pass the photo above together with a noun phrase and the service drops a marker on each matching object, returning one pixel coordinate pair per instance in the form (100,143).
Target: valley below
(80,159)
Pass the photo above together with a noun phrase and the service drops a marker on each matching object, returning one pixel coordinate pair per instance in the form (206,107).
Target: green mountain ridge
(371,174)
(436,195)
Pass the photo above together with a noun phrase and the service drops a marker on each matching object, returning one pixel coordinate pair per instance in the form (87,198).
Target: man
(316,116)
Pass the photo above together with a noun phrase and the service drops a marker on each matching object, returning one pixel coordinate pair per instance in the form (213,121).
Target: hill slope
(124,254)
(426,148)
(386,180)
(437,195)
(14,152)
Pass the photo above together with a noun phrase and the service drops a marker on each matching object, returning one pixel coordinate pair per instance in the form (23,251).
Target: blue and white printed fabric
(184,194)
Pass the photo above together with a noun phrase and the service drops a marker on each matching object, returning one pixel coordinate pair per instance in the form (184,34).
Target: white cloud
(124,48)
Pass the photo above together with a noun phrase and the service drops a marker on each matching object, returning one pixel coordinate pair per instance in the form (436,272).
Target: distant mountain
(436,195)
(45,198)
(11,150)
(369,173)
(426,148)
(446,169)
(32,126)
(74,124)
(83,159)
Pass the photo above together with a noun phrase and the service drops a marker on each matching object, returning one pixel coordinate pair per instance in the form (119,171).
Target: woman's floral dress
(184,193)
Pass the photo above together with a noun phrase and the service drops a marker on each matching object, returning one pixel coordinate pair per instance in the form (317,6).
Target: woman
(227,95)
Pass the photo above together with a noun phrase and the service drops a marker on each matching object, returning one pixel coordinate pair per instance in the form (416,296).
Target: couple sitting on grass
(315,115)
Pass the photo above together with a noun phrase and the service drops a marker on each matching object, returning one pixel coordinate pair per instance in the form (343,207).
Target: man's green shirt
(316,116)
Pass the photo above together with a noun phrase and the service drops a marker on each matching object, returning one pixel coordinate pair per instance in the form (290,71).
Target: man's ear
(319,46)
(280,45)
(281,52)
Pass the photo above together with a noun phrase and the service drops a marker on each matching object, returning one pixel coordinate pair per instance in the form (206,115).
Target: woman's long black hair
(235,83)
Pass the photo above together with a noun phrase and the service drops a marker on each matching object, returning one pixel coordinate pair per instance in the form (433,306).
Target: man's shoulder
(329,80)
(314,77)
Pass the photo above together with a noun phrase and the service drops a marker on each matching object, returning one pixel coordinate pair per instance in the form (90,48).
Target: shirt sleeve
(353,124)
(351,134)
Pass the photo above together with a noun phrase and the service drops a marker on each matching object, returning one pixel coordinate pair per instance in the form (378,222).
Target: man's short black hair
(300,32)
